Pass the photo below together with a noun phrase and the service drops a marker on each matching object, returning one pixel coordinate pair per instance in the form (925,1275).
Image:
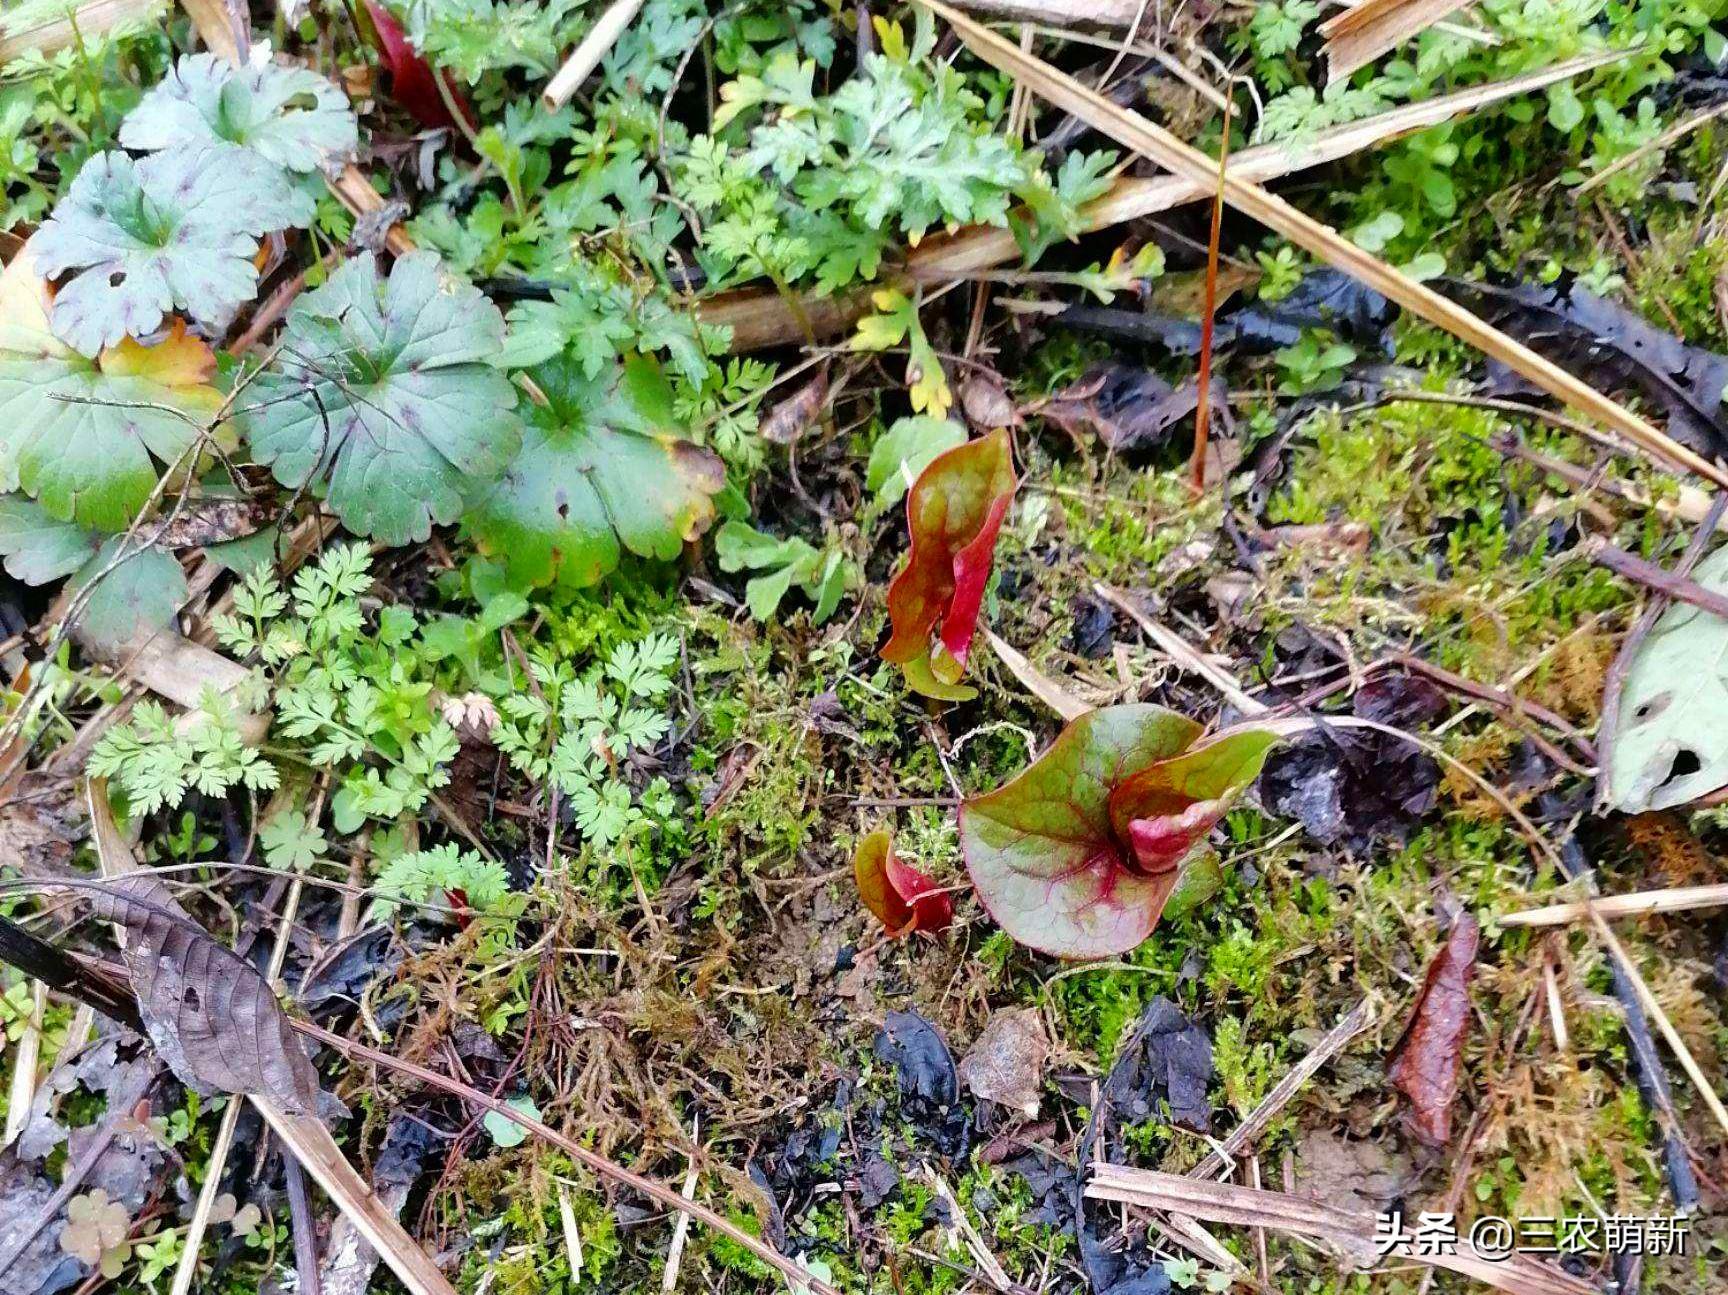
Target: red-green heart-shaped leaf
(954,512)
(903,898)
(411,76)
(1165,810)
(1077,856)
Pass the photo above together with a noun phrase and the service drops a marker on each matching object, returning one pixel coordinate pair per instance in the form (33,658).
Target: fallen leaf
(1356,787)
(1127,408)
(1670,745)
(787,421)
(1078,855)
(925,1075)
(902,898)
(1166,1059)
(954,512)
(1426,1060)
(1616,347)
(211,1016)
(1006,1064)
(985,401)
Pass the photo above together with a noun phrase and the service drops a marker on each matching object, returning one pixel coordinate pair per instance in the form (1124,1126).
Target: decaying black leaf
(1167,1059)
(212,1017)
(1324,298)
(1127,408)
(1614,348)
(1352,787)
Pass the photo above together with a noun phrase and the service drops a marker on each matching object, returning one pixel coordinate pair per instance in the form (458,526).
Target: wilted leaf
(1357,787)
(1077,855)
(84,437)
(1618,348)
(1670,745)
(603,470)
(954,513)
(923,1066)
(1006,1064)
(902,898)
(1127,408)
(1426,1061)
(787,421)
(211,1016)
(411,83)
(385,395)
(289,116)
(1165,1063)
(175,230)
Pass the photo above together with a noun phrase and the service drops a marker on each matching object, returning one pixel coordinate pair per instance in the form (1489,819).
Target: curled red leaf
(900,896)
(411,76)
(954,513)
(1078,855)
(1427,1059)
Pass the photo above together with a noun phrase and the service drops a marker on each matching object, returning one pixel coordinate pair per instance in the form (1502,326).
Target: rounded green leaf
(602,471)
(39,548)
(142,591)
(382,395)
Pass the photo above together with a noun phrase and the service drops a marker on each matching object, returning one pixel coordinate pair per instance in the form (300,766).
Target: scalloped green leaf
(85,437)
(289,116)
(173,231)
(143,591)
(603,470)
(1078,855)
(39,548)
(383,397)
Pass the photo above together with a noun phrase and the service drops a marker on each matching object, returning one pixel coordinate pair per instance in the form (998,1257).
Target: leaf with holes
(1078,855)
(289,116)
(902,898)
(382,395)
(603,471)
(173,231)
(954,512)
(85,437)
(1670,744)
(210,1015)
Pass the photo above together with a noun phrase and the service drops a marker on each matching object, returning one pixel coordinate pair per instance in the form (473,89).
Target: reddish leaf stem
(1203,383)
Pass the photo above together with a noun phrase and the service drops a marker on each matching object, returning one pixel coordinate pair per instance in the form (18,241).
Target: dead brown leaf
(1426,1062)
(1006,1064)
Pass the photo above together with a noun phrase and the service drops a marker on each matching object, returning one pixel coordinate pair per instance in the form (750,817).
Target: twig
(1181,652)
(1669,583)
(680,1229)
(1159,145)
(1675,899)
(1648,1072)
(587,55)
(1208,322)
(1517,1274)
(24,1063)
(1217,1160)
(304,1226)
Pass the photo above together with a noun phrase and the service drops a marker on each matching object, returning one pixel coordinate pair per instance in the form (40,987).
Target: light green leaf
(39,548)
(1670,744)
(289,116)
(506,1132)
(176,230)
(385,396)
(142,592)
(905,450)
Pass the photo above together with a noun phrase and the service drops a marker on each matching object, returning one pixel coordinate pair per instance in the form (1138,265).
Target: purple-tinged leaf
(1077,856)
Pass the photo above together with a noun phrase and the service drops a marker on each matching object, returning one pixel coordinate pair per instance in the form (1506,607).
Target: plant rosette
(954,513)
(1078,855)
(903,898)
